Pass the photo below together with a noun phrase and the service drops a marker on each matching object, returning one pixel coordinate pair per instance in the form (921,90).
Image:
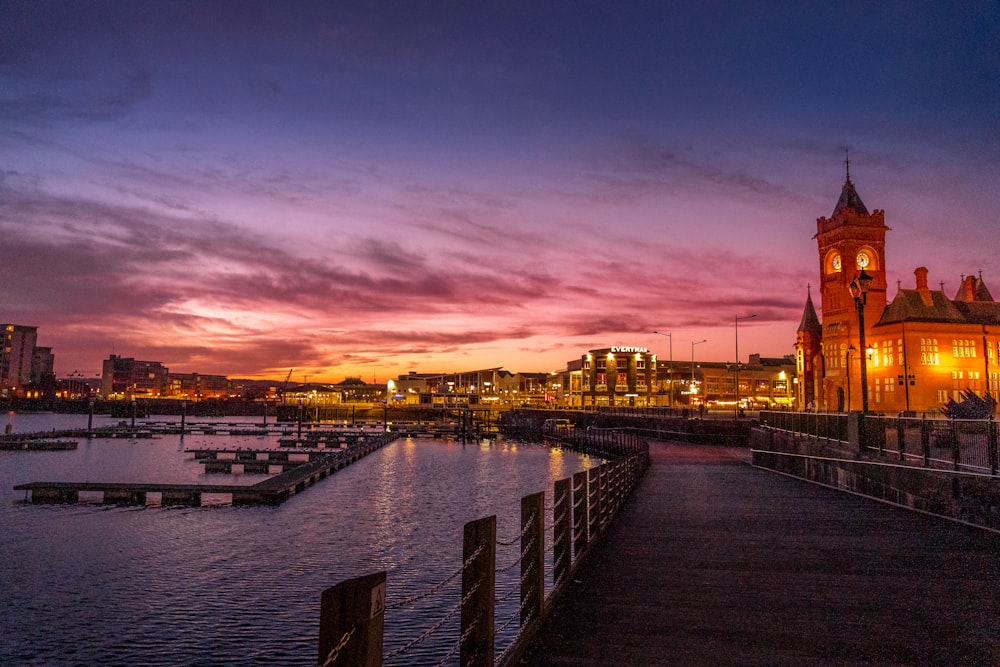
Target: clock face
(836,262)
(863,260)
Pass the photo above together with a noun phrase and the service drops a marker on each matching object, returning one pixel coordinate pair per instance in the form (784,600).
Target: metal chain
(335,651)
(524,552)
(524,529)
(426,594)
(427,633)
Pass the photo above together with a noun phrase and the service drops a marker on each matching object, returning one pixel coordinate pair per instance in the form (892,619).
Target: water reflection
(89,584)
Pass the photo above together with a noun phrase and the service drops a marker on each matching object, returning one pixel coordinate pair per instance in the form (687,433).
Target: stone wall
(971,498)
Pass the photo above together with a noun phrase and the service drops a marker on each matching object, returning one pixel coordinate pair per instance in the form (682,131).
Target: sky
(362,189)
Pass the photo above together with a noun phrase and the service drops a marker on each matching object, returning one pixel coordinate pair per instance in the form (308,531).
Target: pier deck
(715,562)
(271,491)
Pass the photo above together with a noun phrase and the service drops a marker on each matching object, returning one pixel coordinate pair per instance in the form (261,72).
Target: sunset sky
(366,188)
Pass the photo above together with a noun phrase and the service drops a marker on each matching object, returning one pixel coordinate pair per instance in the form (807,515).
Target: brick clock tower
(850,240)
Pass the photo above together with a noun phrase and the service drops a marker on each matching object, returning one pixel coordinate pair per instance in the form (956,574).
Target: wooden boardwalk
(715,562)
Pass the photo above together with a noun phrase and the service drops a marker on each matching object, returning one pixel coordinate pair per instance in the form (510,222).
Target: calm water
(86,584)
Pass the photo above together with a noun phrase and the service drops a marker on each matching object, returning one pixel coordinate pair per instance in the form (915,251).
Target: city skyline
(240,188)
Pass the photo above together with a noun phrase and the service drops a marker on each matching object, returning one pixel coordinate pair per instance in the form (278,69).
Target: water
(87,584)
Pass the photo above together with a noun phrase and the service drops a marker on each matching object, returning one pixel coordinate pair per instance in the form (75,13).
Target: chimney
(925,292)
(968,291)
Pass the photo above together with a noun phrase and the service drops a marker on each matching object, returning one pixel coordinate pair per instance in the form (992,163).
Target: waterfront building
(613,376)
(195,386)
(128,378)
(21,362)
(920,350)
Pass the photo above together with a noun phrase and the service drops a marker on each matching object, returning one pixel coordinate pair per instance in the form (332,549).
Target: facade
(195,386)
(614,376)
(128,378)
(17,349)
(921,349)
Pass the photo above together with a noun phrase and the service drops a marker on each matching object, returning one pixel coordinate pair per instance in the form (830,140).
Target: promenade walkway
(715,562)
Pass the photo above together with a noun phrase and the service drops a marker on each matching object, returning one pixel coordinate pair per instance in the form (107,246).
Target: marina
(92,583)
(296,476)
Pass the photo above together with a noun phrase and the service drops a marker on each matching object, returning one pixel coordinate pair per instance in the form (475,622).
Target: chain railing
(352,614)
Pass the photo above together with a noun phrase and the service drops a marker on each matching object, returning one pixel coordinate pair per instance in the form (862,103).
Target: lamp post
(670,376)
(693,343)
(736,322)
(850,349)
(859,290)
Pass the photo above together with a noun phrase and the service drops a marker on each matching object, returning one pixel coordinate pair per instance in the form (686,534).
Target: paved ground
(714,562)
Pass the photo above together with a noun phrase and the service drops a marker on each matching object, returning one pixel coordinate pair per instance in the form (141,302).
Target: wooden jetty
(272,491)
(37,445)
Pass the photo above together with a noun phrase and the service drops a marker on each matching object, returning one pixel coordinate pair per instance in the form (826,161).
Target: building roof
(849,199)
(972,305)
(810,322)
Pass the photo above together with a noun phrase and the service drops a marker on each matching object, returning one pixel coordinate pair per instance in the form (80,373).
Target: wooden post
(533,556)
(562,531)
(479,557)
(581,497)
(352,618)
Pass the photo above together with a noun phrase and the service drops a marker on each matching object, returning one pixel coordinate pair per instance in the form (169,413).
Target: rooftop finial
(847,163)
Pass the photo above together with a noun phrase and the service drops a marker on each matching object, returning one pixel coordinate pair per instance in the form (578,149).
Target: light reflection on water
(86,584)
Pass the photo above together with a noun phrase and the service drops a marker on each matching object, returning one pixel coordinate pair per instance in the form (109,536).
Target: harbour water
(89,584)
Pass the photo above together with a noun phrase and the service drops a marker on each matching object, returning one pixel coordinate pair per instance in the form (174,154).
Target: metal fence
(583,506)
(957,444)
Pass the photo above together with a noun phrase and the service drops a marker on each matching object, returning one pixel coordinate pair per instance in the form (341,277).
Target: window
(963,348)
(929,352)
(942,395)
(887,353)
(602,363)
(622,381)
(640,364)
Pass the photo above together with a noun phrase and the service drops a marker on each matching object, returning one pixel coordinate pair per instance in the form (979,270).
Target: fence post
(532,556)
(351,621)
(593,503)
(562,530)
(479,557)
(925,440)
(581,498)
(956,450)
(901,436)
(991,429)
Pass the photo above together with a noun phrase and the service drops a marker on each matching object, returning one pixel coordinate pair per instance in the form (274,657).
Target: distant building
(613,376)
(922,348)
(17,352)
(196,387)
(128,378)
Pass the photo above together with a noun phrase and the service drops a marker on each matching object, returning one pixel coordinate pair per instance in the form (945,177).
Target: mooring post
(90,418)
(352,619)
(184,408)
(562,531)
(479,557)
(532,556)
(925,440)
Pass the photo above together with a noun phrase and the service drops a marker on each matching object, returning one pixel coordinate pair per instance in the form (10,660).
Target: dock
(717,562)
(297,476)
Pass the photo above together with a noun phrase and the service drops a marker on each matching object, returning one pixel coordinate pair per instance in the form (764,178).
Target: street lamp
(693,343)
(670,380)
(736,322)
(859,290)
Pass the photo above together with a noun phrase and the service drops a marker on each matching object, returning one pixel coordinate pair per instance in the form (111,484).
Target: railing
(957,444)
(353,612)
